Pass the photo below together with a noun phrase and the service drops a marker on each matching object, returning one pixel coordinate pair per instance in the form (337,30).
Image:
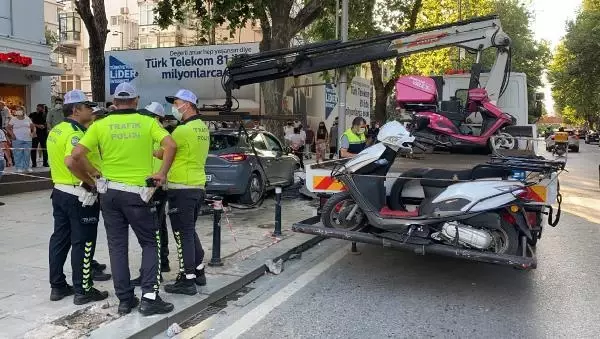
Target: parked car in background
(232,168)
(591,136)
(573,141)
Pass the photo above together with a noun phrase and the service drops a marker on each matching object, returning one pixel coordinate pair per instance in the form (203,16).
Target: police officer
(159,198)
(186,191)
(126,138)
(75,224)
(353,140)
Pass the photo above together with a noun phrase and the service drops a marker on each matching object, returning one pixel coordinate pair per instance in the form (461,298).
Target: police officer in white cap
(126,139)
(186,191)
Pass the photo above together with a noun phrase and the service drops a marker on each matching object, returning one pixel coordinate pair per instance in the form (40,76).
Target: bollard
(277,232)
(353,249)
(216,250)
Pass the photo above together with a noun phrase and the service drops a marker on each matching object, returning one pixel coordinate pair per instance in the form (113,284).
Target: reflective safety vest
(357,142)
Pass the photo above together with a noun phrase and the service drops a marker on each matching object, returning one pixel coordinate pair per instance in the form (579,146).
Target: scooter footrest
(402,237)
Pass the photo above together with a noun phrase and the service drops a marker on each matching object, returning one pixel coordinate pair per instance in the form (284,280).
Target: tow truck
(474,35)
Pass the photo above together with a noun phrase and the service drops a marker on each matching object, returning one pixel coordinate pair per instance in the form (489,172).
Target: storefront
(25,68)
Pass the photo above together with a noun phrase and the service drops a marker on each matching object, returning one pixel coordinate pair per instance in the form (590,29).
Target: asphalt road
(382,293)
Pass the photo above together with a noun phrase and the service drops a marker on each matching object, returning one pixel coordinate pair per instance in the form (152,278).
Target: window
(69,26)
(85,56)
(146,14)
(308,89)
(5,18)
(259,142)
(69,82)
(272,143)
(220,142)
(113,20)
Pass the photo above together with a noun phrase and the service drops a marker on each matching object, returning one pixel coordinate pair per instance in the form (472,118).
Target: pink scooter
(440,129)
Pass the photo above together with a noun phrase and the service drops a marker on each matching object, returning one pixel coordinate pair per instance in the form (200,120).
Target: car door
(283,164)
(266,156)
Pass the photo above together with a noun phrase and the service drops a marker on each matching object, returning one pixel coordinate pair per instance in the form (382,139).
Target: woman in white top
(297,141)
(22,131)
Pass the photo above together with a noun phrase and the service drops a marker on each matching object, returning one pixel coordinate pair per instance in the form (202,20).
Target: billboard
(159,72)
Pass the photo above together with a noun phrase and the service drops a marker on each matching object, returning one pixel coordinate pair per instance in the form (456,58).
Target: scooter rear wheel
(336,210)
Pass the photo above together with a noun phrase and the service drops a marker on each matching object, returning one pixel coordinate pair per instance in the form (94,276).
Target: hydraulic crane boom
(475,35)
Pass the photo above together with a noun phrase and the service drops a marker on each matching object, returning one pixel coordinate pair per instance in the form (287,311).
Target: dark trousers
(332,151)
(300,154)
(184,208)
(39,140)
(75,227)
(121,209)
(160,203)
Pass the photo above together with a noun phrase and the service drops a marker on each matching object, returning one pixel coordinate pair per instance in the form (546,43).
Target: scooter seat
(387,212)
(433,177)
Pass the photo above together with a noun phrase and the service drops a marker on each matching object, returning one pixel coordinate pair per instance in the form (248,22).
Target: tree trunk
(97,73)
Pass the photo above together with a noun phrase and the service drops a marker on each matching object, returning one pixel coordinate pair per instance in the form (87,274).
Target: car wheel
(254,191)
(575,150)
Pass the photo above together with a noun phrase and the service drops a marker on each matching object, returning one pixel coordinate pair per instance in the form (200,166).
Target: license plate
(208,177)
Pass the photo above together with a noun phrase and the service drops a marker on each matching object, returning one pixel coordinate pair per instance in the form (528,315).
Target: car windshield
(220,142)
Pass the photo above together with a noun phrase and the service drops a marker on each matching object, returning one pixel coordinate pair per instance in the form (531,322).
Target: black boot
(98,266)
(157,306)
(200,277)
(89,296)
(59,293)
(125,306)
(182,286)
(98,275)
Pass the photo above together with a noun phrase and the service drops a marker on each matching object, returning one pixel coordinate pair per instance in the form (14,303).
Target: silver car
(232,169)
(573,141)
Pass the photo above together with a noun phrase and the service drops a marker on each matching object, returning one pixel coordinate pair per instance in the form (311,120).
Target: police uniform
(126,138)
(75,226)
(185,195)
(356,142)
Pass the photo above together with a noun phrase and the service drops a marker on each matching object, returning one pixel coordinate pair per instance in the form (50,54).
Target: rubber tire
(330,205)
(246,198)
(575,150)
(513,238)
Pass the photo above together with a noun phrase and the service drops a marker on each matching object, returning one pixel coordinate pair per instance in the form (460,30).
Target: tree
(575,69)
(93,15)
(280,21)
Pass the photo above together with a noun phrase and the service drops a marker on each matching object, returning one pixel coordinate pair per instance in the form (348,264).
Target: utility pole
(343,86)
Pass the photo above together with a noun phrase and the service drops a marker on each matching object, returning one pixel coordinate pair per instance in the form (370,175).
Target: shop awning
(41,71)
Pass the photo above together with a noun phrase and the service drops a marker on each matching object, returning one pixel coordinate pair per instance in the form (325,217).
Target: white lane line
(258,313)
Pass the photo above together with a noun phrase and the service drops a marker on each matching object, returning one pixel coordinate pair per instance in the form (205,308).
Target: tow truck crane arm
(474,35)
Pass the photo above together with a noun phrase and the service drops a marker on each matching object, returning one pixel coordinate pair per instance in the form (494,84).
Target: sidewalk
(25,309)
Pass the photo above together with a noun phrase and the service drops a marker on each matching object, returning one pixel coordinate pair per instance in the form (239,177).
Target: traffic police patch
(74,141)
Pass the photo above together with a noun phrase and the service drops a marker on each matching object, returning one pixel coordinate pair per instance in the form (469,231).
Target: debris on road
(274,267)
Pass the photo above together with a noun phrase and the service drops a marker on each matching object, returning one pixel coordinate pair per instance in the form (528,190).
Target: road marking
(258,313)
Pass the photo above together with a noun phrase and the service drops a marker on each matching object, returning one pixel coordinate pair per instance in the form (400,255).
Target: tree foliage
(575,69)
(93,15)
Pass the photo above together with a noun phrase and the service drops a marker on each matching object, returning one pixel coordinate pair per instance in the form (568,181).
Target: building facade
(25,63)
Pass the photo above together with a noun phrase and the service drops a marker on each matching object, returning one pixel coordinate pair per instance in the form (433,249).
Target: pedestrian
(126,139)
(310,146)
(22,131)
(333,138)
(297,141)
(160,199)
(41,134)
(353,140)
(322,142)
(186,191)
(4,115)
(4,148)
(75,207)
(55,115)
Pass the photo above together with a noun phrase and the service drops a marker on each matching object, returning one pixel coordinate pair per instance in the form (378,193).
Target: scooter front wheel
(342,212)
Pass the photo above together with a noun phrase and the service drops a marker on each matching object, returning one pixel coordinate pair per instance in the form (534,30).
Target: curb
(185,312)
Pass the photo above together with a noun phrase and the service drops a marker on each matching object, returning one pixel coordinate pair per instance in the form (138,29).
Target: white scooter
(482,220)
